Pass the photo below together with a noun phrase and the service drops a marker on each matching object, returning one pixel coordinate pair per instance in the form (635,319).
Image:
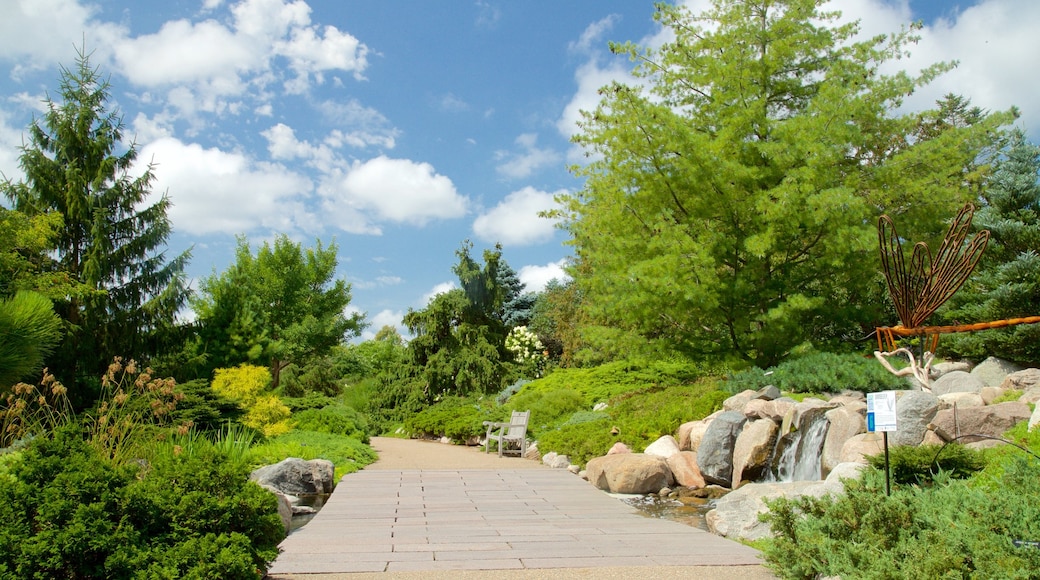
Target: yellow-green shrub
(245,385)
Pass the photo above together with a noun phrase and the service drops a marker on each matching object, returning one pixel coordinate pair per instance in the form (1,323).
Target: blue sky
(401,128)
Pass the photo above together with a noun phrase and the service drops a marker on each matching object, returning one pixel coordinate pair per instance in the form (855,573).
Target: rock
(1034,419)
(859,447)
(763,409)
(736,514)
(549,457)
(845,422)
(993,371)
(990,394)
(665,446)
(629,473)
(768,393)
(991,420)
(752,451)
(1031,395)
(601,406)
(737,402)
(957,382)
(559,462)
(914,410)
(285,507)
(533,453)
(715,453)
(297,476)
(684,469)
(940,369)
(1022,380)
(575,469)
(961,400)
(850,470)
(619,447)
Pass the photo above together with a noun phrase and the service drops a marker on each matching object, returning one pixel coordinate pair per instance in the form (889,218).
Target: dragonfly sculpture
(919,288)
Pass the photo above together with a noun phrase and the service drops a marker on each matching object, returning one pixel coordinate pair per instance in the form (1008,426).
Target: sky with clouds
(401,128)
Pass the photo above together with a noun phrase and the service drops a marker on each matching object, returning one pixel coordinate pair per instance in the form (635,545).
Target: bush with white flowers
(524,345)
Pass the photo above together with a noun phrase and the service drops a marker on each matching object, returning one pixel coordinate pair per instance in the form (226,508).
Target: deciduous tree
(730,203)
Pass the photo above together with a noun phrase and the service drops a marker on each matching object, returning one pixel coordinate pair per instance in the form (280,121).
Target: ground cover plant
(818,372)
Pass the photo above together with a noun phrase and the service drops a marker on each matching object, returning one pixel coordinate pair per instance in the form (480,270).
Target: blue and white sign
(881,411)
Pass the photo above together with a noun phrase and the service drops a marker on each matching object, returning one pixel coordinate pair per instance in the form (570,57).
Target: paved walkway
(402,517)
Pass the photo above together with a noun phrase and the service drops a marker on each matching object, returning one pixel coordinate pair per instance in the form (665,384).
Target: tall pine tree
(77,164)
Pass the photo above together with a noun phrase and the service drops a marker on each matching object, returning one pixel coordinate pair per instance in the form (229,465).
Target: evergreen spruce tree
(1006,283)
(76,164)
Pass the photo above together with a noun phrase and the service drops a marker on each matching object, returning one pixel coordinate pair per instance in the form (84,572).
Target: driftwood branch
(920,370)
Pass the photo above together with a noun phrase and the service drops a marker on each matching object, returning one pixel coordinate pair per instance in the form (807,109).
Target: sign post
(881,416)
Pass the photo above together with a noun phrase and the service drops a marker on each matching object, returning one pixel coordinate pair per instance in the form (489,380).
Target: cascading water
(797,454)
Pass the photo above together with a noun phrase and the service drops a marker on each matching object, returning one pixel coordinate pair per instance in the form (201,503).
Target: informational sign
(881,411)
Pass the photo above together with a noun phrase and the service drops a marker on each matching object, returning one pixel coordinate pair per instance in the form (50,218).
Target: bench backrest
(518,422)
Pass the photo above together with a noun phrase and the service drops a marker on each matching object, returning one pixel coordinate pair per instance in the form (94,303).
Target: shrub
(547,407)
(820,372)
(203,408)
(335,419)
(606,381)
(66,512)
(920,465)
(244,384)
(457,418)
(949,530)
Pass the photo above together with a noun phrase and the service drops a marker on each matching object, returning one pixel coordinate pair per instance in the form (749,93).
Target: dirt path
(397,454)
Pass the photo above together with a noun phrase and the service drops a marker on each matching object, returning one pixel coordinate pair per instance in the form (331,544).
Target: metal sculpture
(918,291)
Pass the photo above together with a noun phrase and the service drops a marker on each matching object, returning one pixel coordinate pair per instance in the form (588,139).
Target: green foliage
(600,383)
(348,454)
(110,240)
(950,530)
(278,307)
(334,419)
(547,407)
(819,372)
(68,513)
(641,417)
(1005,284)
(730,203)
(33,410)
(920,465)
(457,418)
(202,407)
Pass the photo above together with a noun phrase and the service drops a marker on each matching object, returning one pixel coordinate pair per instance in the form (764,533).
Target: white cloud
(442,288)
(396,190)
(364,126)
(592,38)
(215,191)
(515,220)
(536,278)
(37,33)
(528,160)
(11,140)
(384,318)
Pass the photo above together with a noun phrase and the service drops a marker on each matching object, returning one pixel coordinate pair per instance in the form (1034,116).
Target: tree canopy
(282,305)
(110,239)
(730,201)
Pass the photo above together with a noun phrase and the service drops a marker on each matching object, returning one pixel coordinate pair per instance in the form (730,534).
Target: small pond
(314,501)
(685,510)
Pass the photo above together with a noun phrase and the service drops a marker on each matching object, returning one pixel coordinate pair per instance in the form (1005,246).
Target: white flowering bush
(524,344)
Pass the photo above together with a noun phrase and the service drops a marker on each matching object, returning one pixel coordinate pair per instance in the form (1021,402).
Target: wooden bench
(511,436)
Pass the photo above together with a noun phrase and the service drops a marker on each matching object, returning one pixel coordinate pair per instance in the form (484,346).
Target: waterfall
(797,456)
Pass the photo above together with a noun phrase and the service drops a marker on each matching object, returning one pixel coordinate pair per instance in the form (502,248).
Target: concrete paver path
(426,509)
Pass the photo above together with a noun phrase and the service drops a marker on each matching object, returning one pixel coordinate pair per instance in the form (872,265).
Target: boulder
(752,451)
(845,422)
(914,411)
(665,446)
(1031,395)
(1022,380)
(859,447)
(737,402)
(940,369)
(961,400)
(993,371)
(957,382)
(736,514)
(559,462)
(533,453)
(619,447)
(990,394)
(684,469)
(768,393)
(629,473)
(715,453)
(763,409)
(296,476)
(991,420)
(691,433)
